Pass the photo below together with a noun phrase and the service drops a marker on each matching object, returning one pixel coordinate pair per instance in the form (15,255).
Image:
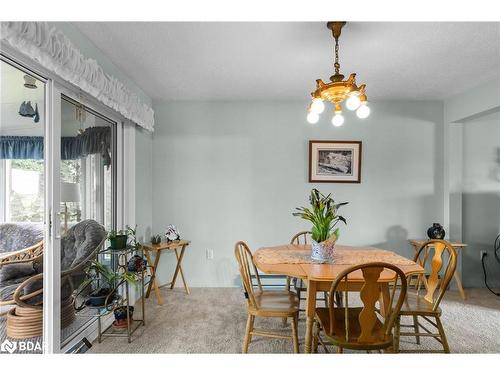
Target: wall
(481,197)
(225,171)
(472,132)
(143,183)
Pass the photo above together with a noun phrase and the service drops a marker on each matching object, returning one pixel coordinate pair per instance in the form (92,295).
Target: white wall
(481,197)
(225,171)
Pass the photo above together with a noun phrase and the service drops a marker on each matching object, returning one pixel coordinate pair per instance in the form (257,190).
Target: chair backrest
(18,236)
(247,266)
(369,294)
(301,238)
(441,255)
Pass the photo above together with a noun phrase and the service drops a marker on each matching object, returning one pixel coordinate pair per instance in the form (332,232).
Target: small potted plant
(109,279)
(121,315)
(324,218)
(117,239)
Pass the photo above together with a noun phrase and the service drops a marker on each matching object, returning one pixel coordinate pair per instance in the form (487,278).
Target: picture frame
(335,161)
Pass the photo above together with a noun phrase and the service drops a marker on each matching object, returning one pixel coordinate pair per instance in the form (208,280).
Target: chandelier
(338,90)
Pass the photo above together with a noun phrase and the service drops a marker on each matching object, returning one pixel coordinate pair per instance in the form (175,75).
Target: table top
(415,242)
(172,245)
(293,260)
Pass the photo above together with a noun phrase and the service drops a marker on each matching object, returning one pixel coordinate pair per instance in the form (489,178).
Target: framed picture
(335,161)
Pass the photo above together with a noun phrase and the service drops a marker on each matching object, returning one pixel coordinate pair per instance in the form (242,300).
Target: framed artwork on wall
(335,161)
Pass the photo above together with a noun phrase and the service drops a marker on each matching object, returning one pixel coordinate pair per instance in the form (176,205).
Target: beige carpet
(212,320)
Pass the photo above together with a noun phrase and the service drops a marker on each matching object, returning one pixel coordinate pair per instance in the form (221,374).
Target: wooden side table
(176,246)
(458,247)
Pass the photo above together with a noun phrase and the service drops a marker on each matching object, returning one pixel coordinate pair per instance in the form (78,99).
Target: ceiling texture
(282,60)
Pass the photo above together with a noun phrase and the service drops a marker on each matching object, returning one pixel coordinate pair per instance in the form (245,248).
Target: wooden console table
(174,246)
(458,247)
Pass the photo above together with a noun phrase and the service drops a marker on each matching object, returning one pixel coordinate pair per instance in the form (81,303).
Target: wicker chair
(79,246)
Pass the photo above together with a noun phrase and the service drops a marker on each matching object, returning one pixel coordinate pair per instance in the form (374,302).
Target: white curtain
(55,52)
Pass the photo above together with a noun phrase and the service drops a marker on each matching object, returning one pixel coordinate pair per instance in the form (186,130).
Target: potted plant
(108,282)
(121,315)
(118,239)
(324,218)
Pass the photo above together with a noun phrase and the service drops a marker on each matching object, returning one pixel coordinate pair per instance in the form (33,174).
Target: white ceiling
(226,61)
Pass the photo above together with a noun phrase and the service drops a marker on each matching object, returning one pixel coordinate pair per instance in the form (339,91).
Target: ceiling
(279,61)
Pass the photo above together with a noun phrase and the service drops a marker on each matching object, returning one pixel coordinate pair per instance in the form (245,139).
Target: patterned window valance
(95,140)
(54,51)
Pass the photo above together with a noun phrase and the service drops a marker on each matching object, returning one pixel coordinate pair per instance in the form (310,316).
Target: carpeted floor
(212,320)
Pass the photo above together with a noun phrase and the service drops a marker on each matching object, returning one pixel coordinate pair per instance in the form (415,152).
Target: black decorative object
(436,232)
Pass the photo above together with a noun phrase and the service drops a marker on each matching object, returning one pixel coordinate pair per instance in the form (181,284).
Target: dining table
(295,261)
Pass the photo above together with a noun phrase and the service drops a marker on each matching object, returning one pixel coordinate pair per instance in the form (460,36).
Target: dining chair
(263,303)
(303,238)
(426,292)
(361,327)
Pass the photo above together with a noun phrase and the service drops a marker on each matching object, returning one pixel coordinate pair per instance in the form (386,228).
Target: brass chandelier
(338,90)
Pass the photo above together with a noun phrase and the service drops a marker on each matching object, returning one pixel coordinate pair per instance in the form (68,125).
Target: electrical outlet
(210,254)
(482,254)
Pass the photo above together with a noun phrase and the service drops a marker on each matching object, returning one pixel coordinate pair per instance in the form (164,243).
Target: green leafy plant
(322,215)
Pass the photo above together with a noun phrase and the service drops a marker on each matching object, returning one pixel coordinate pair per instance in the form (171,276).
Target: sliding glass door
(22,207)
(58,200)
(87,191)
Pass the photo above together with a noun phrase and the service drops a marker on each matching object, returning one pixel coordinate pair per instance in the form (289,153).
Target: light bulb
(317,106)
(363,111)
(312,118)
(352,103)
(337,120)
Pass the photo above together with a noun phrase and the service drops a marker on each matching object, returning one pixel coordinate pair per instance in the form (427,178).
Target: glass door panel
(22,206)
(87,175)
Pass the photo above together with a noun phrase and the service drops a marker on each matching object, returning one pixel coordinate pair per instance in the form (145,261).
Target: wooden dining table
(295,261)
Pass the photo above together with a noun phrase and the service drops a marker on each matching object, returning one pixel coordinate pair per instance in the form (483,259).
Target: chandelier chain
(337,65)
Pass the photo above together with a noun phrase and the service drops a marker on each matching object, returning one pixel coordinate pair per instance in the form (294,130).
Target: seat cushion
(18,236)
(16,270)
(338,337)
(416,305)
(277,301)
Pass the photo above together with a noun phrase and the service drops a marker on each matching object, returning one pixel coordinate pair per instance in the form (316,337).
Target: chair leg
(325,294)
(416,328)
(315,336)
(397,328)
(295,334)
(288,283)
(338,299)
(443,335)
(298,296)
(340,350)
(248,331)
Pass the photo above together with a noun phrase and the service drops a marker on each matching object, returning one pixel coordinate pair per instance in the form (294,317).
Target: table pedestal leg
(310,312)
(385,298)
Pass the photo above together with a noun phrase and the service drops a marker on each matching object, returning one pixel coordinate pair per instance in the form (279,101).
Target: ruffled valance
(95,140)
(54,51)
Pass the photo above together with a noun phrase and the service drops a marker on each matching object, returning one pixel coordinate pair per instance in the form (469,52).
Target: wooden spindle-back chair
(270,304)
(303,238)
(363,327)
(426,292)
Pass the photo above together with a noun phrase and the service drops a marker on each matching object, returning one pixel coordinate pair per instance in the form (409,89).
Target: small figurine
(172,234)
